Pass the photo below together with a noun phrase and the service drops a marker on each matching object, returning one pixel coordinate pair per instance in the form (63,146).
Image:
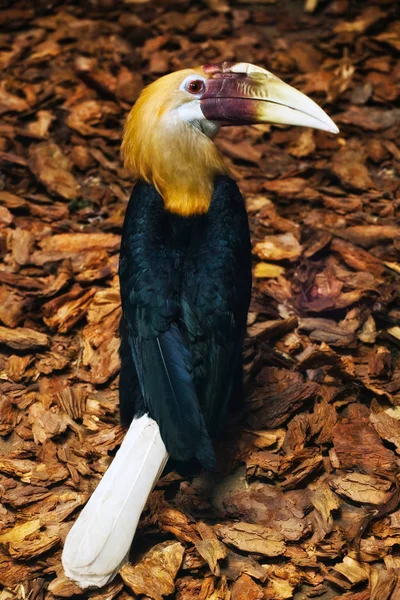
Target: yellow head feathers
(164,149)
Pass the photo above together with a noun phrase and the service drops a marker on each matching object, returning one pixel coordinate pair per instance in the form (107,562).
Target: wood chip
(249,537)
(23,338)
(155,574)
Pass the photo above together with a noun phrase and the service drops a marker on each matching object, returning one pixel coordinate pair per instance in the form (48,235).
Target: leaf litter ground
(306,504)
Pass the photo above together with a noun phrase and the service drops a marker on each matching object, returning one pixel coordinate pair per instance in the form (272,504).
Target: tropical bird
(185,278)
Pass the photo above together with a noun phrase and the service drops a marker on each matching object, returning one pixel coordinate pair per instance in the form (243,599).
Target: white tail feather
(99,541)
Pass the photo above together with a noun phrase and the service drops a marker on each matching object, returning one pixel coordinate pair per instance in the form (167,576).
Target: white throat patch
(191,113)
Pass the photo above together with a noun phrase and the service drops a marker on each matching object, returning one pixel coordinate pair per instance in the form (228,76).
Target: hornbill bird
(185,276)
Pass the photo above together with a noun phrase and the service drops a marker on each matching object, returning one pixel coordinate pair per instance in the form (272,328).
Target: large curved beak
(244,94)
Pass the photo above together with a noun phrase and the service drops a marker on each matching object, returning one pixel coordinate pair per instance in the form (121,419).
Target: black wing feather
(154,342)
(185,290)
(166,376)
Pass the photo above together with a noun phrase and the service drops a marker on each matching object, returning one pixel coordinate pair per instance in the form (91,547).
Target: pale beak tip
(334,128)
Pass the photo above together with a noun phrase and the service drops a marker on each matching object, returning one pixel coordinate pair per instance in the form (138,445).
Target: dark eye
(196,86)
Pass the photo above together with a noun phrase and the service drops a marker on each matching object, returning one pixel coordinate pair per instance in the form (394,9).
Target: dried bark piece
(363,488)
(23,338)
(318,240)
(192,560)
(13,306)
(13,572)
(362,280)
(53,169)
(352,570)
(368,331)
(325,291)
(103,317)
(105,302)
(60,507)
(33,546)
(6,217)
(371,550)
(387,426)
(264,464)
(300,465)
(245,588)
(77,465)
(357,444)
(90,112)
(284,392)
(282,581)
(371,235)
(356,258)
(266,439)
(278,247)
(100,79)
(22,494)
(210,548)
(52,361)
(280,290)
(155,574)
(17,366)
(53,285)
(384,583)
(9,416)
(304,145)
(46,423)
(369,16)
(348,166)
(352,521)
(269,329)
(107,438)
(290,187)
(214,589)
(40,127)
(268,270)
(242,151)
(328,331)
(236,564)
(19,532)
(380,365)
(296,435)
(6,518)
(65,311)
(48,49)
(249,537)
(325,503)
(187,588)
(254,202)
(73,400)
(80,242)
(45,471)
(267,505)
(343,205)
(21,243)
(82,158)
(11,103)
(12,201)
(64,587)
(394,331)
(13,159)
(368,118)
(104,363)
(322,421)
(128,85)
(171,520)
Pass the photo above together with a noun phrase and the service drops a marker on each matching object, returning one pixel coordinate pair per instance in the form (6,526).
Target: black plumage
(185,289)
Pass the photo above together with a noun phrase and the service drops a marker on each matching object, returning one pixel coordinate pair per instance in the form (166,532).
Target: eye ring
(196,86)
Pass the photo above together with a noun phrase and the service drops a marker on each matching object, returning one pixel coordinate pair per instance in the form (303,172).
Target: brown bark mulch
(306,504)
